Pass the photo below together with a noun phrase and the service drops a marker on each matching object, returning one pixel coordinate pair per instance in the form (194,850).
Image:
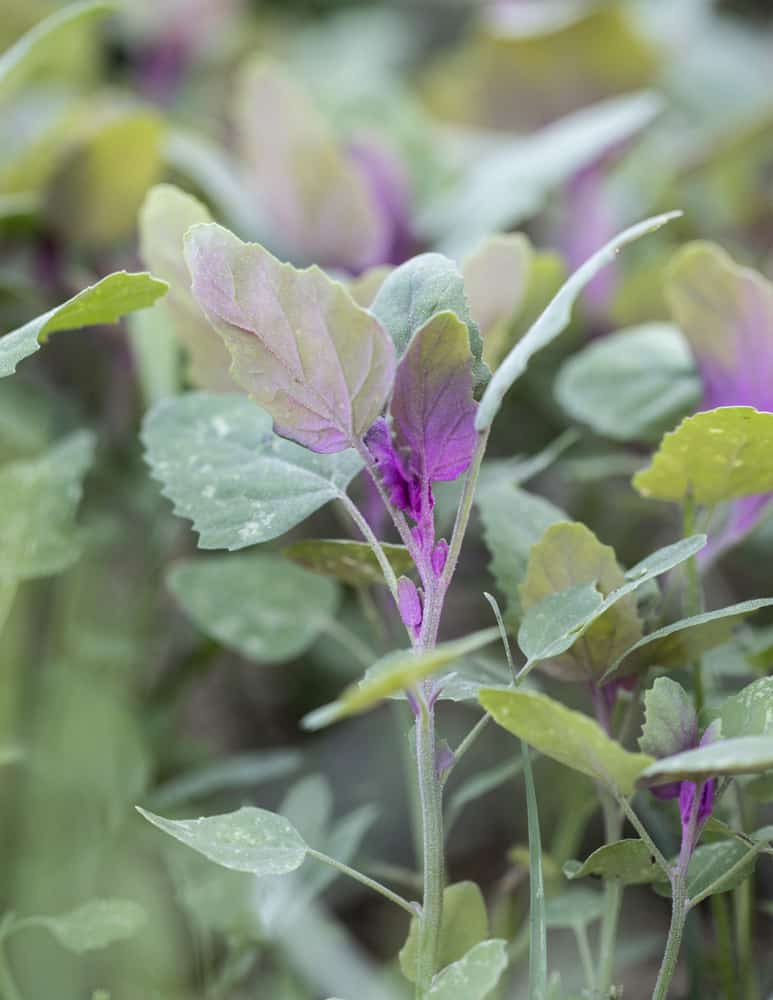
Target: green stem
(613,900)
(583,947)
(371,883)
(464,510)
(671,954)
(724,947)
(538,945)
(693,598)
(376,546)
(430,795)
(640,828)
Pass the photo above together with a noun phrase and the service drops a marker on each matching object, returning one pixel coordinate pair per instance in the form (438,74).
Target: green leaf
(554,620)
(670,721)
(351,562)
(224,469)
(575,907)
(750,712)
(712,456)
(237,771)
(709,869)
(465,924)
(38,535)
(32,52)
(683,641)
(96,924)
(567,736)
(555,319)
(396,671)
(104,302)
(631,385)
(321,365)
(248,840)
(472,977)
(741,755)
(629,861)
(250,603)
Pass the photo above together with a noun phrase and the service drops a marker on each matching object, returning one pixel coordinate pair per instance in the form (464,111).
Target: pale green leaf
(96,924)
(224,469)
(259,605)
(712,456)
(104,302)
(709,869)
(394,672)
(670,721)
(549,624)
(465,924)
(574,907)
(496,280)
(740,755)
(567,736)
(248,840)
(750,712)
(628,861)
(351,562)
(472,977)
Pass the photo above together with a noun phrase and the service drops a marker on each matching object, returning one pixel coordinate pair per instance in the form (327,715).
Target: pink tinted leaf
(317,362)
(432,406)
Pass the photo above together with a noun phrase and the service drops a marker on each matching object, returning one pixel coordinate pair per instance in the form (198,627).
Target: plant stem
(640,828)
(371,883)
(693,598)
(367,533)
(583,947)
(613,893)
(538,946)
(464,510)
(724,947)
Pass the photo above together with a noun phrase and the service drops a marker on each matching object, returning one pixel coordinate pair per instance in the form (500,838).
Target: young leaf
(496,280)
(248,840)
(432,406)
(740,755)
(567,736)
(712,456)
(555,319)
(670,721)
(249,603)
(166,215)
(105,302)
(548,625)
(320,364)
(472,977)
(225,470)
(394,672)
(631,385)
(350,562)
(465,924)
(575,907)
(96,924)
(629,861)
(750,712)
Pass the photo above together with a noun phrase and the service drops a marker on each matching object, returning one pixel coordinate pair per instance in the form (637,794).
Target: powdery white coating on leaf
(320,364)
(474,976)
(750,712)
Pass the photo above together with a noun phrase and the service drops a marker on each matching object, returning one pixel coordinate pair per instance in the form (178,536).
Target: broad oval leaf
(628,861)
(395,672)
(750,712)
(465,924)
(105,302)
(712,456)
(574,907)
(224,469)
(96,924)
(567,736)
(740,755)
(250,603)
(320,364)
(351,562)
(631,385)
(710,869)
(472,977)
(555,319)
(248,840)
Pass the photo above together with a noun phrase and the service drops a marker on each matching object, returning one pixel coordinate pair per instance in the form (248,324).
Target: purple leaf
(409,603)
(316,361)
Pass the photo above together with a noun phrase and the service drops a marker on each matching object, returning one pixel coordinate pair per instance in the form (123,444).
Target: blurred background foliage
(439,123)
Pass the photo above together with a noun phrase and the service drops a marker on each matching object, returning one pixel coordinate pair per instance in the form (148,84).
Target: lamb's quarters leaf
(555,318)
(416,291)
(248,840)
(496,280)
(94,195)
(712,456)
(321,365)
(631,385)
(166,215)
(105,302)
(740,755)
(683,641)
(32,52)
(465,924)
(629,861)
(554,620)
(670,721)
(474,976)
(709,870)
(574,907)
(351,562)
(567,736)
(513,521)
(223,467)
(394,672)
(38,534)
(261,606)
(96,924)
(750,712)
(238,771)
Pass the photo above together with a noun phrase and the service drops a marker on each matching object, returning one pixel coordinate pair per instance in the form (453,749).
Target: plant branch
(464,510)
(377,548)
(637,824)
(371,883)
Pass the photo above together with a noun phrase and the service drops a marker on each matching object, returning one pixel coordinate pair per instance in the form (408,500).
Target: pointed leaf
(709,871)
(248,840)
(629,861)
(301,346)
(741,755)
(750,712)
(670,721)
(432,406)
(224,469)
(465,924)
(96,924)
(712,456)
(105,302)
(350,562)
(549,624)
(396,671)
(249,603)
(567,736)
(472,977)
